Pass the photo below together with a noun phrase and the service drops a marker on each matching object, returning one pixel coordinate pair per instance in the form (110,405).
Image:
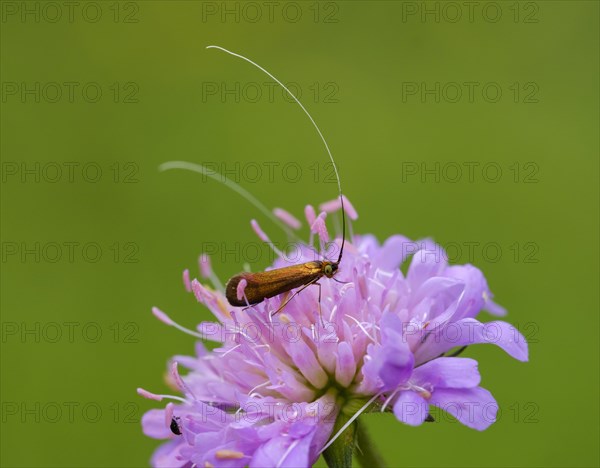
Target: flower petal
(424,265)
(393,360)
(494,308)
(476,289)
(153,425)
(168,455)
(393,253)
(470,331)
(345,365)
(307,363)
(411,408)
(446,290)
(448,372)
(474,407)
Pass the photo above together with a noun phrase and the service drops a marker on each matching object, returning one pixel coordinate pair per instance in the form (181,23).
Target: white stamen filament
(169,321)
(263,237)
(407,386)
(175,397)
(188,331)
(259,386)
(333,312)
(350,421)
(388,399)
(230,350)
(179,380)
(287,452)
(360,325)
(216,282)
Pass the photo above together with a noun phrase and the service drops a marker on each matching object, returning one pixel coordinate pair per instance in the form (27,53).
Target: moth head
(329,269)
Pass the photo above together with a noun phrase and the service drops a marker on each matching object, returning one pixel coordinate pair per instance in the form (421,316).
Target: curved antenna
(188,166)
(316,128)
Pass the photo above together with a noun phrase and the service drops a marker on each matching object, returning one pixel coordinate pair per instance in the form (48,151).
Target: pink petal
(470,331)
(474,407)
(411,408)
(448,372)
(345,364)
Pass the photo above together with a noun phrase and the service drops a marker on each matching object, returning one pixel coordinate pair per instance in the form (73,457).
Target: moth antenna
(293,96)
(188,166)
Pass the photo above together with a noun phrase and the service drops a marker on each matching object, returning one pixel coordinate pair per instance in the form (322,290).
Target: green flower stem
(366,453)
(339,454)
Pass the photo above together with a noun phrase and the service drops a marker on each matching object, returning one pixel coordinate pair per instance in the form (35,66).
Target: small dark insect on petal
(429,418)
(175,426)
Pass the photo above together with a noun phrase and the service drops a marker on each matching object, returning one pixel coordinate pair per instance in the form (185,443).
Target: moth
(266,284)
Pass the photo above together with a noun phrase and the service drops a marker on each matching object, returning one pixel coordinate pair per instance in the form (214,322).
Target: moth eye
(328,270)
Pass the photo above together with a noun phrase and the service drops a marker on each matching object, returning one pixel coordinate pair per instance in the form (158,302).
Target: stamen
(259,232)
(160,315)
(260,357)
(207,272)
(258,386)
(350,421)
(334,205)
(186,280)
(241,287)
(349,208)
(287,218)
(226,454)
(262,236)
(360,325)
(204,264)
(320,227)
(239,327)
(388,399)
(149,395)
(169,414)
(179,381)
(199,291)
(334,309)
(154,396)
(287,452)
(230,350)
(421,391)
(310,214)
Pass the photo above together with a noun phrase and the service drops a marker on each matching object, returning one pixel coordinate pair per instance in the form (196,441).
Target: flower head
(370,339)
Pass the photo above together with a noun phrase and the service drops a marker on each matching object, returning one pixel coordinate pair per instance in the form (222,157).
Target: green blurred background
(77,333)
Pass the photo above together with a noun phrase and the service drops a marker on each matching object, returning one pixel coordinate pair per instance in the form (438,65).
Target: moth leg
(286,298)
(320,315)
(280,308)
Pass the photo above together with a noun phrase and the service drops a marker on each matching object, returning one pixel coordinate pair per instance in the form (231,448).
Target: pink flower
(270,392)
